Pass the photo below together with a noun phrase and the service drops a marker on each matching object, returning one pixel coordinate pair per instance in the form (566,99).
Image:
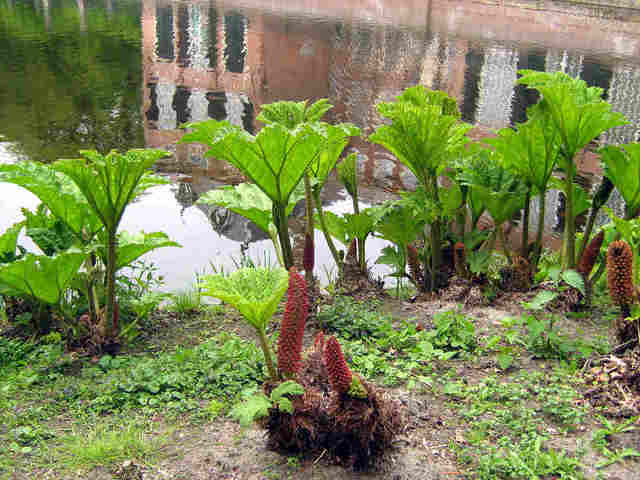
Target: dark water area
(78,74)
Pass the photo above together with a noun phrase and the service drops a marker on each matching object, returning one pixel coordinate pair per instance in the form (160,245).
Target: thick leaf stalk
(282,225)
(325,230)
(590,255)
(308,256)
(619,273)
(309,251)
(599,199)
(111,320)
(292,329)
(340,376)
(540,229)
(524,247)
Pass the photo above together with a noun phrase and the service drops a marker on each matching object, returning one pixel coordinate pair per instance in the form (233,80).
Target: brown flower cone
(590,254)
(413,261)
(293,322)
(352,253)
(339,374)
(460,259)
(619,273)
(308,256)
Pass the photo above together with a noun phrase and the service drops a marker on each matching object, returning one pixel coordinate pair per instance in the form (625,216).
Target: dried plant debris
(614,384)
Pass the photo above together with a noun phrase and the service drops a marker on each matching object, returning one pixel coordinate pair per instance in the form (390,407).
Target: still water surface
(120,74)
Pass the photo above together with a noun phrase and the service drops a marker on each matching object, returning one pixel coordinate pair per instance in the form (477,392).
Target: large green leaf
(110,182)
(274,160)
(48,232)
(336,138)
(61,196)
(622,166)
(421,97)
(9,242)
(421,137)
(248,200)
(42,277)
(577,112)
(362,224)
(530,151)
(132,246)
(336,226)
(254,292)
(291,114)
(499,190)
(399,224)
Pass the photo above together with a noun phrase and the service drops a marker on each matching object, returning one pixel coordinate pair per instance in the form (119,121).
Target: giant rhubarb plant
(293,114)
(109,183)
(425,135)
(274,160)
(89,196)
(531,152)
(579,115)
(255,293)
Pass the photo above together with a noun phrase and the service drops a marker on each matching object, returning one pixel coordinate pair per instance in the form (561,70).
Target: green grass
(106,445)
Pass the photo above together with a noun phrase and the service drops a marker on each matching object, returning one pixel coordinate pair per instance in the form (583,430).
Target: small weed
(185,302)
(602,436)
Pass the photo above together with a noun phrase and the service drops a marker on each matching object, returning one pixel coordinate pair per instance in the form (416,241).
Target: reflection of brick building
(205,62)
(202,61)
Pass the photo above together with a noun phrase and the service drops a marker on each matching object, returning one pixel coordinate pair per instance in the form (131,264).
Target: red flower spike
(308,255)
(292,328)
(340,376)
(590,254)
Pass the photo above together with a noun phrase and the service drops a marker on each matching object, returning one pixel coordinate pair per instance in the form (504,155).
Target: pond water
(119,74)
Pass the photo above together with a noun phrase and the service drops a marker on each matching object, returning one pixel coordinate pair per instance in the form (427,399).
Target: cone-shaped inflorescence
(413,261)
(619,273)
(352,253)
(460,259)
(308,255)
(340,376)
(292,329)
(590,254)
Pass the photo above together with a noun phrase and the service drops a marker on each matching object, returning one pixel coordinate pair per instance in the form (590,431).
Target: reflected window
(181,105)
(236,108)
(184,36)
(154,112)
(235,47)
(597,75)
(474,61)
(212,40)
(164,33)
(523,96)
